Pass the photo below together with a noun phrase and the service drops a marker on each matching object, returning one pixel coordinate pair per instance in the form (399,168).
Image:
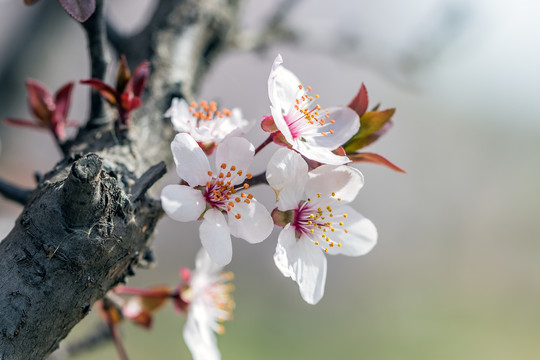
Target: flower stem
(266,142)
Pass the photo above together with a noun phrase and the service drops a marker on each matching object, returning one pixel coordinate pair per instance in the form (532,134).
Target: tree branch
(89,222)
(14,192)
(94,29)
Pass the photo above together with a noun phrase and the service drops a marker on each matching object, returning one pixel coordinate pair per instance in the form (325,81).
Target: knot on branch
(81,200)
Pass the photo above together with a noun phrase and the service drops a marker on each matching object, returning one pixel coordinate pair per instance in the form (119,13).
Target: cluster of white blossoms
(309,175)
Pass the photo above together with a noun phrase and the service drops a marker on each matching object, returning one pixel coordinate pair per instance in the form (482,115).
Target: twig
(97,337)
(147,180)
(13,192)
(94,28)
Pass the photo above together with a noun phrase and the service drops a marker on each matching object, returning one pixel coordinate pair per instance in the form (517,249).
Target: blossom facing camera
(208,125)
(302,124)
(211,195)
(312,208)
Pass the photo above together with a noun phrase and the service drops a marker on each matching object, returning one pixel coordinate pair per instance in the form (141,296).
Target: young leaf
(360,102)
(374,158)
(40,100)
(105,90)
(373,125)
(81,10)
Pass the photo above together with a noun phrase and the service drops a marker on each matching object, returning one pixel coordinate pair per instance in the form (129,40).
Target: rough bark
(89,221)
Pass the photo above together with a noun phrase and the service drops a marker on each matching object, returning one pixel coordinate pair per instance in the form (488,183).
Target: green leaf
(373,124)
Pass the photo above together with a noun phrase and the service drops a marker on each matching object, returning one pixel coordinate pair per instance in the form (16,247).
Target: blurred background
(455,273)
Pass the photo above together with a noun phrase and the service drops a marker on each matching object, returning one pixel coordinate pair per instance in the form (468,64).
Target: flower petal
(199,336)
(303,262)
(319,154)
(191,162)
(344,181)
(180,115)
(281,124)
(283,87)
(238,152)
(287,175)
(216,237)
(255,223)
(361,236)
(182,203)
(346,125)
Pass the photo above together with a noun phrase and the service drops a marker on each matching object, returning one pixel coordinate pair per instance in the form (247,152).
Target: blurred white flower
(208,294)
(205,123)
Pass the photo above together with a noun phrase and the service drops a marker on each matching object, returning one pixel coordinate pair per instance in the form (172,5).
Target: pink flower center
(221,194)
(316,219)
(306,118)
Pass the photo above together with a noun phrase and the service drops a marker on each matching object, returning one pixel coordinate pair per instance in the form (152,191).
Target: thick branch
(89,222)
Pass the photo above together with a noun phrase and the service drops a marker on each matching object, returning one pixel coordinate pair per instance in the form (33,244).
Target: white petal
(361,236)
(287,175)
(191,162)
(182,203)
(205,265)
(238,152)
(317,153)
(344,181)
(180,115)
(198,335)
(280,123)
(255,223)
(230,126)
(303,262)
(216,237)
(346,125)
(282,87)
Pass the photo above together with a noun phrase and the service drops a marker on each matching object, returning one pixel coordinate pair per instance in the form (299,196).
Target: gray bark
(89,221)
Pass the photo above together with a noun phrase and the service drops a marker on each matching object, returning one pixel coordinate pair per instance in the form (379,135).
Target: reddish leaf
(268,125)
(21,122)
(30,2)
(374,158)
(105,90)
(62,100)
(40,101)
(123,74)
(129,103)
(360,102)
(81,10)
(138,79)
